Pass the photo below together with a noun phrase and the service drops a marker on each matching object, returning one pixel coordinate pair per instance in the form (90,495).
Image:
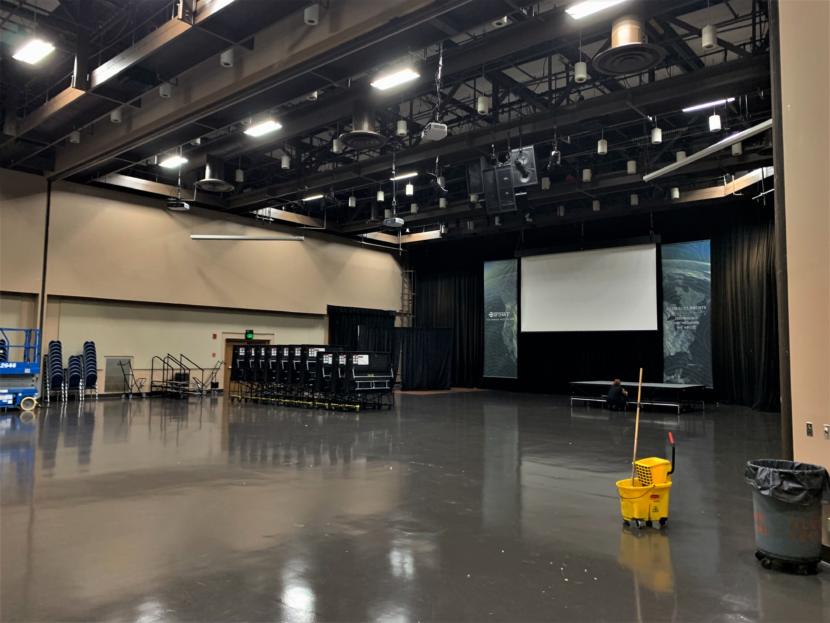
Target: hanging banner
(501,318)
(687,327)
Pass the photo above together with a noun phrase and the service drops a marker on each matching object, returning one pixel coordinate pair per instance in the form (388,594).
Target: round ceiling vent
(628,59)
(362,139)
(214,185)
(629,53)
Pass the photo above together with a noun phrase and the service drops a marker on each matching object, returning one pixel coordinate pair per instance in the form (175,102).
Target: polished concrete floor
(481,506)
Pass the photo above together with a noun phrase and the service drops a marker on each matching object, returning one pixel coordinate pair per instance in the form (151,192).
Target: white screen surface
(599,290)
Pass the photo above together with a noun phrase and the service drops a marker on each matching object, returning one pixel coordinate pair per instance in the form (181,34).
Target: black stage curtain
(361,328)
(454,299)
(426,357)
(744,313)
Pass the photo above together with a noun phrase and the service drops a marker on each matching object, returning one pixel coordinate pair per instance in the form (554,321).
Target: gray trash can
(786,500)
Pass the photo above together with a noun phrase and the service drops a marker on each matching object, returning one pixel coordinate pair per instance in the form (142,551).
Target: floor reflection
(458,507)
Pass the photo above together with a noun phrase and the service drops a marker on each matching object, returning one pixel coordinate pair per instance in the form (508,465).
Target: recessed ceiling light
(313,197)
(171,162)
(34,51)
(404,176)
(589,7)
(709,104)
(391,80)
(263,127)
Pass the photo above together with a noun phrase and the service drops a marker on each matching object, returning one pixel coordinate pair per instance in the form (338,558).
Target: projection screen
(599,290)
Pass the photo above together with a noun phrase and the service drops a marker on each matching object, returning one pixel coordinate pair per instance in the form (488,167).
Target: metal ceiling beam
(283,52)
(517,88)
(563,193)
(141,185)
(669,94)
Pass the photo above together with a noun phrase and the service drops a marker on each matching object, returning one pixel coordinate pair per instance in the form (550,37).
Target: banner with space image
(501,318)
(687,325)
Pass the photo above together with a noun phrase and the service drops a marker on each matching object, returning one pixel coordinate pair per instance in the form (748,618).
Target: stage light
(634,200)
(602,147)
(336,146)
(738,149)
(403,176)
(166,90)
(381,197)
(172,161)
(589,7)
(709,36)
(263,127)
(115,116)
(545,182)
(413,208)
(656,136)
(442,202)
(33,51)
(714,123)
(482,104)
(631,167)
(313,197)
(595,205)
(352,201)
(580,72)
(697,107)
(409,190)
(402,130)
(473,197)
(394,79)
(285,162)
(675,193)
(239,176)
(587,174)
(75,137)
(680,156)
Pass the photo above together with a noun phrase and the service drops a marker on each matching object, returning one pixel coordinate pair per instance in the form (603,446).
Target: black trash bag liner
(788,481)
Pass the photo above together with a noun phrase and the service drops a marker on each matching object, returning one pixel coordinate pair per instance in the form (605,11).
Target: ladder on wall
(406,314)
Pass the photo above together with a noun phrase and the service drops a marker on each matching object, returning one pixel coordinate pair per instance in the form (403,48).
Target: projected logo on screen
(501,318)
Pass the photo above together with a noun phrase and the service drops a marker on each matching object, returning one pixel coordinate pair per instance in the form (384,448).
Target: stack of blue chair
(75,372)
(55,362)
(4,351)
(90,365)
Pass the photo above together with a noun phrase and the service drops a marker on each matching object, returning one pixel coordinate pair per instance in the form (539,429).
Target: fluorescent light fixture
(313,197)
(709,104)
(589,7)
(391,80)
(244,237)
(263,127)
(34,51)
(171,162)
(404,176)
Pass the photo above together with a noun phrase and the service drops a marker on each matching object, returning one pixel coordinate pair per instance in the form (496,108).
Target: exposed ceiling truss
(310,79)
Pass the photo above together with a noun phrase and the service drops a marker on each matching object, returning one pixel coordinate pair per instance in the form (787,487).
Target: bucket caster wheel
(626,523)
(808,569)
(766,563)
(662,523)
(648,523)
(639,523)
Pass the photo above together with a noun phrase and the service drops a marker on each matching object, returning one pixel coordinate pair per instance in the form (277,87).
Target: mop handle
(636,425)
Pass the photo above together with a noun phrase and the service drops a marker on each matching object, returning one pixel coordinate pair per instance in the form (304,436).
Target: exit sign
(249,334)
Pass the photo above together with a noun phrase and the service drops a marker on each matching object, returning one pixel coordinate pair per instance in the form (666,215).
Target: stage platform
(680,396)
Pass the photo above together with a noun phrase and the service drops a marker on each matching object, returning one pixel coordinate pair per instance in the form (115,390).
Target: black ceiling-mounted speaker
(524,166)
(363,134)
(499,195)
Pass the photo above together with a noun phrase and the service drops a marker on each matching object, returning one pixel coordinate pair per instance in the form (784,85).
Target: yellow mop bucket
(644,500)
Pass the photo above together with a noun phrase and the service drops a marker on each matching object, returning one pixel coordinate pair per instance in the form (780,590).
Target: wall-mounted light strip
(245,237)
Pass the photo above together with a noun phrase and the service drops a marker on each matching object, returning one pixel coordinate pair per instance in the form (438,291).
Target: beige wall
(105,247)
(22,217)
(805,86)
(109,245)
(141,330)
(18,310)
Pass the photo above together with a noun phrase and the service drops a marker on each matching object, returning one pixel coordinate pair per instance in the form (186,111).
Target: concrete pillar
(804,47)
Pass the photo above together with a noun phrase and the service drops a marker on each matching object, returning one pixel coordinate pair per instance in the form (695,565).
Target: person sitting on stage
(617,397)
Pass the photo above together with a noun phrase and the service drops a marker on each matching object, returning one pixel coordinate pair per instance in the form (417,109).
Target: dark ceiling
(114,54)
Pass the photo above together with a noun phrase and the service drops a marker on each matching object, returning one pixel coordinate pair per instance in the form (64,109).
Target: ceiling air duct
(363,134)
(213,180)
(628,54)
